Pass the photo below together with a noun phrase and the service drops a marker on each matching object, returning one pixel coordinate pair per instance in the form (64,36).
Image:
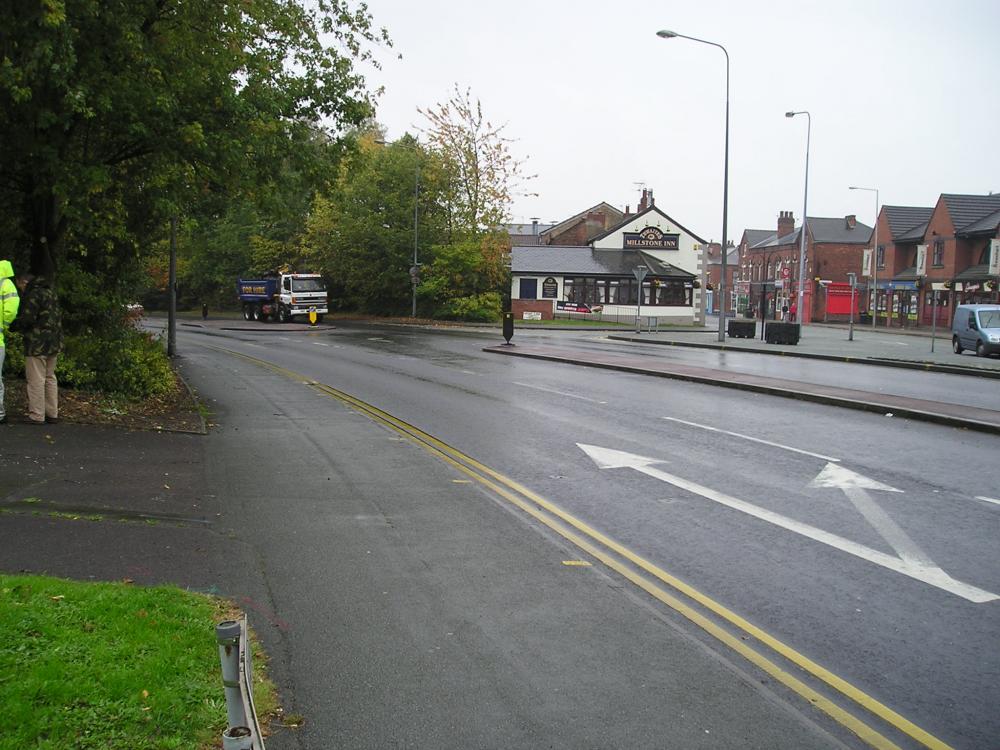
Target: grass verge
(111,666)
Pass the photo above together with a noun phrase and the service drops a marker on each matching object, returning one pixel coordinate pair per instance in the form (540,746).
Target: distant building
(524,235)
(930,259)
(768,279)
(596,275)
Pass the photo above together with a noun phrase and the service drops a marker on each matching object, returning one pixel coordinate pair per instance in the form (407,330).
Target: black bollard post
(508,327)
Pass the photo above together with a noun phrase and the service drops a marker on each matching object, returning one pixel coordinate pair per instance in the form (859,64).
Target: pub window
(937,259)
(529,289)
(614,292)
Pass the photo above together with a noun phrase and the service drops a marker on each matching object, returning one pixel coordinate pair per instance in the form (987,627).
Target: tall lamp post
(805,203)
(874,255)
(664,34)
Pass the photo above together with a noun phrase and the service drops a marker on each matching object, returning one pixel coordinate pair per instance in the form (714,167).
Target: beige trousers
(43,389)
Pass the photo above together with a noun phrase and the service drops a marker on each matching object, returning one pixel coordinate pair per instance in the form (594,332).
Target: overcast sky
(904,96)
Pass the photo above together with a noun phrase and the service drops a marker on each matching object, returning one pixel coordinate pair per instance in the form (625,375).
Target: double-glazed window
(625,291)
(880,256)
(937,259)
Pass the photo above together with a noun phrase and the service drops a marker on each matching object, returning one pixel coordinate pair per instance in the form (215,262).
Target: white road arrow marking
(854,486)
(914,566)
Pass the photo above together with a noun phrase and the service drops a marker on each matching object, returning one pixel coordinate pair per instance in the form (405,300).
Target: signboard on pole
(866,263)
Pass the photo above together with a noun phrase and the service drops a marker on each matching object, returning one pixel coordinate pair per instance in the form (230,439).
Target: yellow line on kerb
(564,524)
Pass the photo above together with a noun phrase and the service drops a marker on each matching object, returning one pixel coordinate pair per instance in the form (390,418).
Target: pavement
(904,349)
(151,507)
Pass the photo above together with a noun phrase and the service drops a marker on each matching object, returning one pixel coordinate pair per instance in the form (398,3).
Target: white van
(976,327)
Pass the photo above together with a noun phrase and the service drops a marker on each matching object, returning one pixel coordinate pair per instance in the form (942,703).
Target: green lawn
(108,665)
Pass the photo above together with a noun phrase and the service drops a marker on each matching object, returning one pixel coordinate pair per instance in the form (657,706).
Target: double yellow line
(631,567)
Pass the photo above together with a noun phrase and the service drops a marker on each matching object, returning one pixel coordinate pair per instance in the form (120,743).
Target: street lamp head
(789,114)
(664,34)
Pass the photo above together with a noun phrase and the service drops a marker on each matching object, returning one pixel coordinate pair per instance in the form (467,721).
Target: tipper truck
(283,297)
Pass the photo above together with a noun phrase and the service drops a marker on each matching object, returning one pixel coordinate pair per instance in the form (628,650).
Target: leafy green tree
(117,115)
(112,114)
(361,232)
(482,177)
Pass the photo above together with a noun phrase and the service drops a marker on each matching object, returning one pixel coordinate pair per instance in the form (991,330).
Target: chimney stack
(786,223)
(643,205)
(851,221)
(534,226)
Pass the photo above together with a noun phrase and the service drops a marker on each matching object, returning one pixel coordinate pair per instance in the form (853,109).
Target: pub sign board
(550,288)
(577,307)
(650,238)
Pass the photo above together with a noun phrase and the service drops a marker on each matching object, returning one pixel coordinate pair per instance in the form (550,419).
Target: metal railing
(243,730)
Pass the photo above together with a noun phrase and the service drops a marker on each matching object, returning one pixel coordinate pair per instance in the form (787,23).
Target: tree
(485,176)
(113,114)
(361,233)
(482,178)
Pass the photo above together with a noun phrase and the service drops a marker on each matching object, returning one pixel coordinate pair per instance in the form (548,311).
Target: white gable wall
(689,255)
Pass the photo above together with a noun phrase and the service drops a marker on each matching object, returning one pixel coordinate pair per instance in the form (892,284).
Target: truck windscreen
(308,285)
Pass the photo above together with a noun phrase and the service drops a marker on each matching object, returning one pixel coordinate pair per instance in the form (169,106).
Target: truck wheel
(246,312)
(956,345)
(282,314)
(256,313)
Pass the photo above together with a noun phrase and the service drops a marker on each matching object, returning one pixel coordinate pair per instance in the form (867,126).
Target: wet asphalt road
(921,642)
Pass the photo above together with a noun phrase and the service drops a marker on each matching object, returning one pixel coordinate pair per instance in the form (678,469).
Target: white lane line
(988,499)
(469,372)
(319,343)
(752,439)
(559,393)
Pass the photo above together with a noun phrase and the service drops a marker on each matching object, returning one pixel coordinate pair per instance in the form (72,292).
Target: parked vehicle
(283,297)
(976,327)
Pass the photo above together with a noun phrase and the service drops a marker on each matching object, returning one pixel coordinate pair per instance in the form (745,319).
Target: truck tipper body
(283,297)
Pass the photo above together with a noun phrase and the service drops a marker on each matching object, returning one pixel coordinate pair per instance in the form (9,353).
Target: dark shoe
(34,421)
(52,420)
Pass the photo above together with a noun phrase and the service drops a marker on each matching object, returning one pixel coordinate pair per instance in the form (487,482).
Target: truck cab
(301,294)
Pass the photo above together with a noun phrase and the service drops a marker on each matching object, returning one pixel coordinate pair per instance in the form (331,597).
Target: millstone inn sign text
(650,238)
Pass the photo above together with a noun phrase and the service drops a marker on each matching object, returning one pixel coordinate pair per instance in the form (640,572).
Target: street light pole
(874,257)
(664,34)
(805,203)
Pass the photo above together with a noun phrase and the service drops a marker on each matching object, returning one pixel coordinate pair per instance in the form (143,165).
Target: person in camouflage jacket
(39,321)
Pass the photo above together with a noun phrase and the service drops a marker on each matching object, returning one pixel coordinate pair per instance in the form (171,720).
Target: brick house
(769,268)
(950,258)
(581,229)
(897,280)
(713,269)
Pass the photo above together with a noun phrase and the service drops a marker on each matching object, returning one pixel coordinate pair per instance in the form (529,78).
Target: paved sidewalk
(901,348)
(892,349)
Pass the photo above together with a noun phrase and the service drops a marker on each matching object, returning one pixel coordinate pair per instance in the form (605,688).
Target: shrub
(129,363)
(480,308)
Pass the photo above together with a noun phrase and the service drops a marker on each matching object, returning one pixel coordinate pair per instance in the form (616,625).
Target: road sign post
(640,274)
